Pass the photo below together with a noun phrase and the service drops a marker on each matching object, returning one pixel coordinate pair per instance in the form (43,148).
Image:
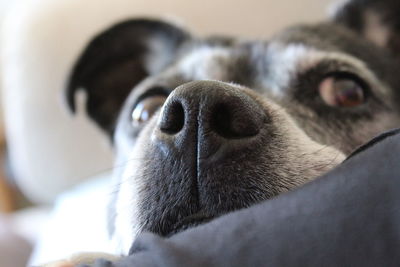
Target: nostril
(173,118)
(231,122)
(221,121)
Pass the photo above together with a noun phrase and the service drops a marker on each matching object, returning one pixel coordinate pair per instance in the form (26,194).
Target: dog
(205,126)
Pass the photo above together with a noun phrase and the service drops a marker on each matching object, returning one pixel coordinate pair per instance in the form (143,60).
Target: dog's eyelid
(328,67)
(153,91)
(345,74)
(354,76)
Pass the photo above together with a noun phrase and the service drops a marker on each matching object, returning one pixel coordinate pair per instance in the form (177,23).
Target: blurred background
(55,167)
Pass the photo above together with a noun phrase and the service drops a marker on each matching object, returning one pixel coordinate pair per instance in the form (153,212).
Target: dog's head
(202,127)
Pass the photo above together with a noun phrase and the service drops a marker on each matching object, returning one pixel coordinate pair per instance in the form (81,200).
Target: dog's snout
(214,106)
(210,114)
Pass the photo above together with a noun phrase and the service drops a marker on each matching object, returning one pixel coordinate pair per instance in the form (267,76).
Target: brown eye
(339,91)
(145,109)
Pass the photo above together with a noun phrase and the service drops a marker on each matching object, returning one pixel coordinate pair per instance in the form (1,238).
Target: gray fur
(166,188)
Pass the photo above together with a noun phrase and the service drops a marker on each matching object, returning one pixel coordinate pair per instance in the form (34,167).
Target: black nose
(210,114)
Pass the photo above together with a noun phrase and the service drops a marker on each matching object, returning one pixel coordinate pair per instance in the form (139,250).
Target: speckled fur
(301,138)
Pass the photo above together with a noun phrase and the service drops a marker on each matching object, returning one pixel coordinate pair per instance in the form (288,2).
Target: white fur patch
(283,64)
(205,63)
(127,225)
(126,220)
(130,159)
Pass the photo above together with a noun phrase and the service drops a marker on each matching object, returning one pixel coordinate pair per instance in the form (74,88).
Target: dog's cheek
(129,177)
(302,157)
(311,158)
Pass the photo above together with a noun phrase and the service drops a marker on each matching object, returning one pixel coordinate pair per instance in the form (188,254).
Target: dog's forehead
(272,65)
(265,58)
(228,62)
(204,62)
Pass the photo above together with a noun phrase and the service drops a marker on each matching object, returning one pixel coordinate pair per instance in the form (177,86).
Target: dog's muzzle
(202,156)
(214,148)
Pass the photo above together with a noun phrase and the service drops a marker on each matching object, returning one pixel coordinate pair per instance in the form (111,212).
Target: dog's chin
(189,222)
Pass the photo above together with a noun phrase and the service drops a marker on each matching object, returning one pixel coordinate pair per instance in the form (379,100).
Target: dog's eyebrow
(285,62)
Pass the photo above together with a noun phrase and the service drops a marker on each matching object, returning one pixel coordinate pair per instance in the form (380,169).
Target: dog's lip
(190,221)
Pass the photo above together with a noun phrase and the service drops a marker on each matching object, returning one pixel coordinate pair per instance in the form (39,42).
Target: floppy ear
(377,20)
(118,59)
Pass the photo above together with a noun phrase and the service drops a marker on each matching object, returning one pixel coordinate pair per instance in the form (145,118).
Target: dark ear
(376,20)
(118,59)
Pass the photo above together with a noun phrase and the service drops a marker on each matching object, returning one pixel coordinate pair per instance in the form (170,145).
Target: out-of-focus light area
(55,167)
